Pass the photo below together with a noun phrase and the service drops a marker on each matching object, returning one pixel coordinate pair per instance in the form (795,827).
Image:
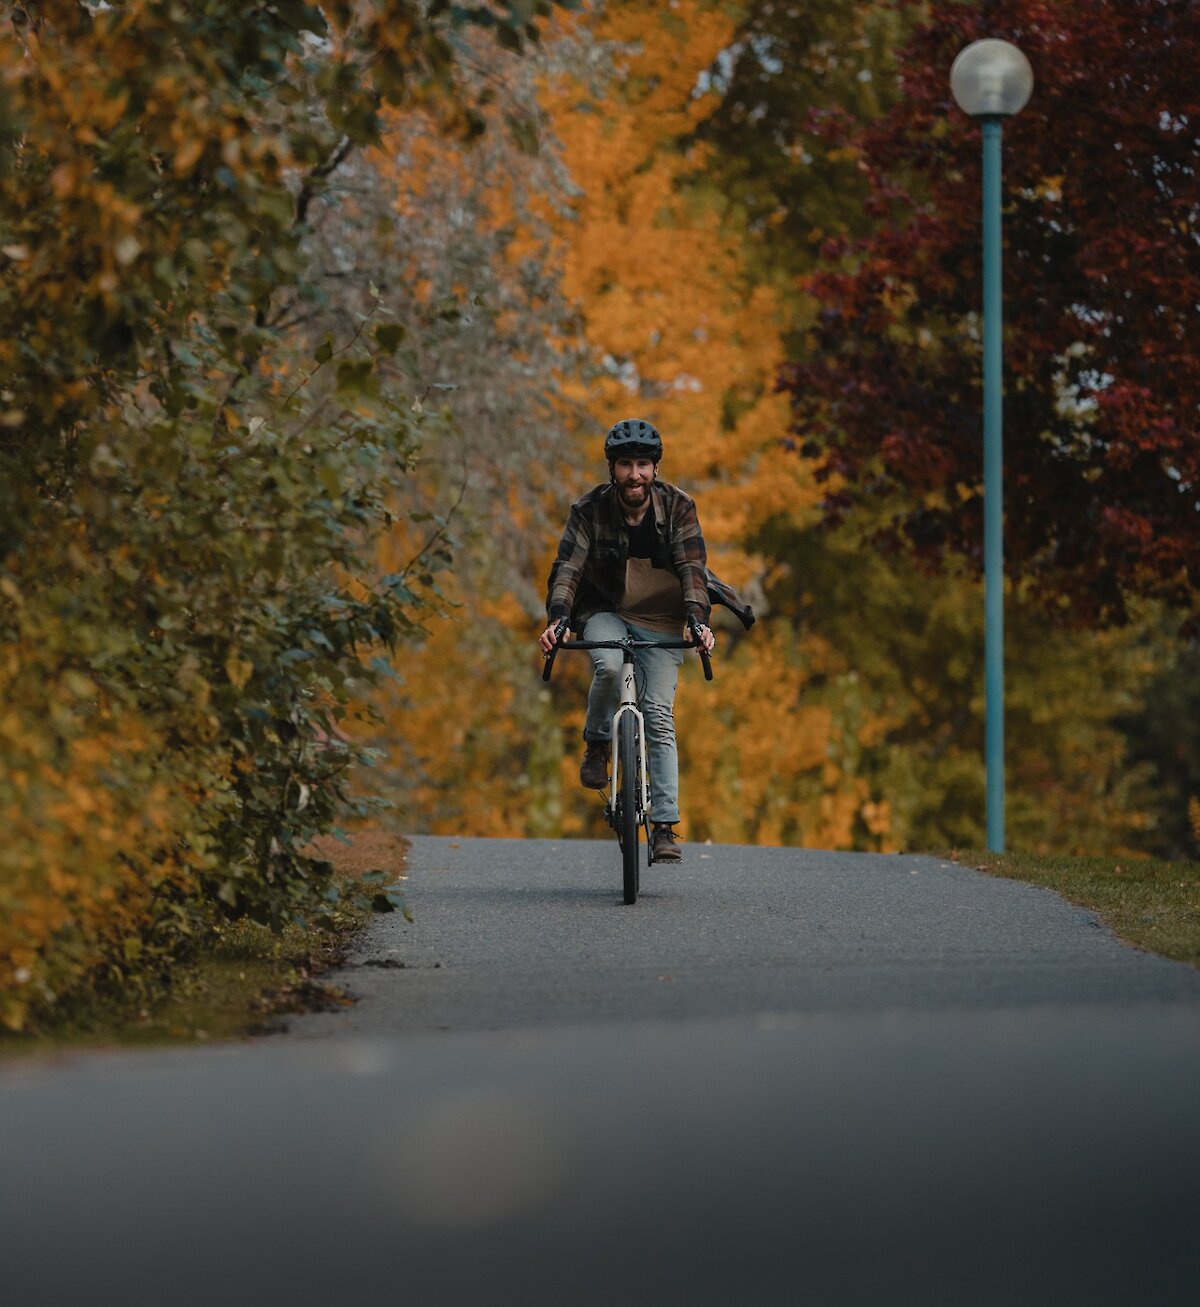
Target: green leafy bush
(194,470)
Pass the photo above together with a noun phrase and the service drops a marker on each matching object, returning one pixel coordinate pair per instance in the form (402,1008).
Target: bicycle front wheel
(628,801)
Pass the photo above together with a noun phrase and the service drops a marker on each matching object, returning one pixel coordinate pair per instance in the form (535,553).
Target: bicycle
(627,809)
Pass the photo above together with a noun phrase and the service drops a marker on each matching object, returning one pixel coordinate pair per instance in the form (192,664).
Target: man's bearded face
(633,477)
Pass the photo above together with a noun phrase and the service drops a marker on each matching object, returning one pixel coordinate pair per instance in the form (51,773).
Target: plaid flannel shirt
(588,573)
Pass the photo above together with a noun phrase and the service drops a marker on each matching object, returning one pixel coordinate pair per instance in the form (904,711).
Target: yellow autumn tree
(650,271)
(689,336)
(469,744)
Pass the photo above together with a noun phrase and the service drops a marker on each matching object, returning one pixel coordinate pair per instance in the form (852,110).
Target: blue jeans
(657,676)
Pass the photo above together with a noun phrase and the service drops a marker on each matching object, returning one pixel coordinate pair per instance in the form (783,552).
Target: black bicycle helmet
(633,438)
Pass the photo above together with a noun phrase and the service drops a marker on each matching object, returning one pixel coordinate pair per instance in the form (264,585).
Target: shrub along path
(240,979)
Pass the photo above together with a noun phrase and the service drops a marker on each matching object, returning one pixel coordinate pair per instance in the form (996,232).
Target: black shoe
(593,770)
(662,844)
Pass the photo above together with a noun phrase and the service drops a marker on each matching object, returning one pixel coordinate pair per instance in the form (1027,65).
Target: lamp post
(992,80)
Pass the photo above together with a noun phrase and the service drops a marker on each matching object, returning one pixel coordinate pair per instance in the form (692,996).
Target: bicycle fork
(628,704)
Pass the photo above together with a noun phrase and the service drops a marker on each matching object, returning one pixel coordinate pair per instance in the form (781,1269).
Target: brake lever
(559,631)
(705,660)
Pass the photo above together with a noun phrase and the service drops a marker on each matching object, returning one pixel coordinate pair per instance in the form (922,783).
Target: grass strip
(1152,904)
(243,980)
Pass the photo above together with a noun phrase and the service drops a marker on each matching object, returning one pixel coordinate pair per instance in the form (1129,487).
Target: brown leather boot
(593,770)
(662,843)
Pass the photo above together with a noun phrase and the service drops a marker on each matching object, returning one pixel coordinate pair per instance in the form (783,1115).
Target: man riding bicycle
(632,562)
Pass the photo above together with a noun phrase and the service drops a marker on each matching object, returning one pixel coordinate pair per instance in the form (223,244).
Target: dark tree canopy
(783,165)
(1102,306)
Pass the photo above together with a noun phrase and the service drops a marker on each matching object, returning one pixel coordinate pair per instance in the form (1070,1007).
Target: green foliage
(790,84)
(198,456)
(240,980)
(903,653)
(1162,734)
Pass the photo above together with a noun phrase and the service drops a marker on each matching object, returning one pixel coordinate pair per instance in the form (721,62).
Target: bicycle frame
(615,812)
(628,704)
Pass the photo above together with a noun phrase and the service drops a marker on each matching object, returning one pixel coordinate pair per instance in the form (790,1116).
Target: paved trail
(513,933)
(781,1077)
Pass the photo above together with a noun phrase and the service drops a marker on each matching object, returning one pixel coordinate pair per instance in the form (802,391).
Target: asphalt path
(782,1076)
(514,933)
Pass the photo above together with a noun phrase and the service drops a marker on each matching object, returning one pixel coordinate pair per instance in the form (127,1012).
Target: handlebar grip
(559,631)
(705,660)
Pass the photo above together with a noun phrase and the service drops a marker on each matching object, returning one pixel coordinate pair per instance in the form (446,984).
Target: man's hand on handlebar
(706,637)
(558,633)
(548,638)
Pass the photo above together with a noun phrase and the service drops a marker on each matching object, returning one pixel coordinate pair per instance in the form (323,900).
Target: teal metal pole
(993,471)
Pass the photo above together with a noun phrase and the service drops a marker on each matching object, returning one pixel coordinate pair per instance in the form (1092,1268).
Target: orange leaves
(655,266)
(64,180)
(98,844)
(664,51)
(188,155)
(238,669)
(677,329)
(765,761)
(691,340)
(87,848)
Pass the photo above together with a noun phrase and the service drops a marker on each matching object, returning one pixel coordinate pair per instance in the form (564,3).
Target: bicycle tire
(628,783)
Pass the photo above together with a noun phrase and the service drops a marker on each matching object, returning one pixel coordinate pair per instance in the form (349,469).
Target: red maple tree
(1101,305)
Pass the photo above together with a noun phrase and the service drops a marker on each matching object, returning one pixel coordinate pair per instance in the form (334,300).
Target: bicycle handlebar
(628,643)
(705,660)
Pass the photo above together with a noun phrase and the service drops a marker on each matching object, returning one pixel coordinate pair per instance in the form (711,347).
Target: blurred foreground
(782,1076)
